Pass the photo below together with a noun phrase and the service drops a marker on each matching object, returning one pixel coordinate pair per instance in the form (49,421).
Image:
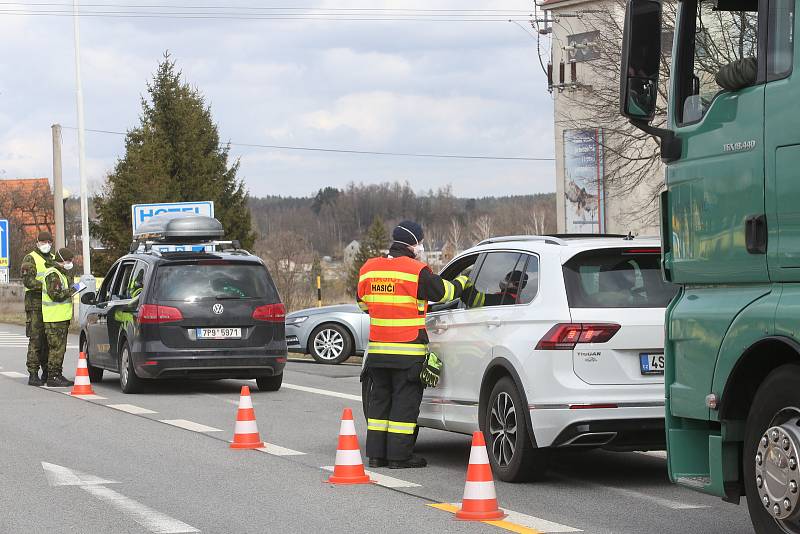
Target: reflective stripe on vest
(41,269)
(388,286)
(405,349)
(56,312)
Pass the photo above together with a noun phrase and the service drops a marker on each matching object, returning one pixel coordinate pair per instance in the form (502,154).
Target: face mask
(419,250)
(67,265)
(44,248)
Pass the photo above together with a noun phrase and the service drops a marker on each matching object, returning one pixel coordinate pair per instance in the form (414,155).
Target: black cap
(44,235)
(408,232)
(64,254)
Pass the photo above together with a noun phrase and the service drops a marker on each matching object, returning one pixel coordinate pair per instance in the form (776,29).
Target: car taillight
(273,313)
(564,336)
(155,314)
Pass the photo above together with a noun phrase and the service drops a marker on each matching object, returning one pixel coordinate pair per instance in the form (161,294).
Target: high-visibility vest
(56,312)
(388,286)
(41,268)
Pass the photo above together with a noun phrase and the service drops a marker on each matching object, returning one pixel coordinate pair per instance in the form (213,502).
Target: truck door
(716,189)
(782,145)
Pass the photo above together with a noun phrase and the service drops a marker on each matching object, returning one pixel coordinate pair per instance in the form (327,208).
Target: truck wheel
(128,381)
(511,453)
(269,383)
(771,453)
(330,343)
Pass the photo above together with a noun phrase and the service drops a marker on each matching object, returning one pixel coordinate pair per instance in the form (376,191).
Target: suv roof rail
(585,236)
(553,240)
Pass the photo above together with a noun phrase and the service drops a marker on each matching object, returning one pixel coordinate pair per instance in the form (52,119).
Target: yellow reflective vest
(52,311)
(41,268)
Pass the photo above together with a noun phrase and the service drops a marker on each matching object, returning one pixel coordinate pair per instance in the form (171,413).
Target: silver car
(331,334)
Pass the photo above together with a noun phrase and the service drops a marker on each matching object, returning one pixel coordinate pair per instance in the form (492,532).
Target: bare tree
(290,257)
(455,235)
(535,224)
(482,228)
(29,210)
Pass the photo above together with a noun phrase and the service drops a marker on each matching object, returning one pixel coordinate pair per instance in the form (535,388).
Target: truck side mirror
(641,58)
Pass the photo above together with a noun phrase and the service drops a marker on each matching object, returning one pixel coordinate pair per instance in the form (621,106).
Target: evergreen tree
(173,155)
(371,245)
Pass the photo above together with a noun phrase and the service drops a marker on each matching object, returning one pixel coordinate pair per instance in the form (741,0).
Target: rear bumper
(230,363)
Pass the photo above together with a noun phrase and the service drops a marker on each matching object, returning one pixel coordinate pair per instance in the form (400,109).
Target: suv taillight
(564,336)
(273,313)
(155,314)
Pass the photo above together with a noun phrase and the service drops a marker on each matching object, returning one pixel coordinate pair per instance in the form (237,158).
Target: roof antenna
(629,237)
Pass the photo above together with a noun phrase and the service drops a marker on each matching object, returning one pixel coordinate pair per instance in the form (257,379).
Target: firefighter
(57,314)
(395,291)
(34,265)
(510,287)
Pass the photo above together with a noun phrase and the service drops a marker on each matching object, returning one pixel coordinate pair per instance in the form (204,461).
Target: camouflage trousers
(37,340)
(57,345)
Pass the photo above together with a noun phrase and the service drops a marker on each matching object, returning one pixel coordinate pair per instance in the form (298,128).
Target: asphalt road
(77,465)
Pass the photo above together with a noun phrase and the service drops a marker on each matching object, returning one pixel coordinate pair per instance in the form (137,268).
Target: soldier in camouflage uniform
(34,265)
(57,314)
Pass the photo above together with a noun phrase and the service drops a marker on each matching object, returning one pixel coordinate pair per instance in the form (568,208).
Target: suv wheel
(330,343)
(95,373)
(128,381)
(771,453)
(269,383)
(511,453)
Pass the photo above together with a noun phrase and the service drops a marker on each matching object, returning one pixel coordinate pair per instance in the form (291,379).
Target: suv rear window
(617,278)
(218,279)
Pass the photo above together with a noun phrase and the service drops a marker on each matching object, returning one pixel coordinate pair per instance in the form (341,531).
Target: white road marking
(130,408)
(152,520)
(666,503)
(383,480)
(279,451)
(323,392)
(655,454)
(84,397)
(13,374)
(190,425)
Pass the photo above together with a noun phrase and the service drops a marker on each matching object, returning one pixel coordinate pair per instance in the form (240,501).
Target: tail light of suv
(272,313)
(565,336)
(156,314)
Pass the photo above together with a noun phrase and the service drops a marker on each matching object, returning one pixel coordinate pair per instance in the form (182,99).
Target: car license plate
(219,333)
(652,364)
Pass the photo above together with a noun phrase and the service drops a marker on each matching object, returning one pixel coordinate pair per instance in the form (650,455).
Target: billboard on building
(583,181)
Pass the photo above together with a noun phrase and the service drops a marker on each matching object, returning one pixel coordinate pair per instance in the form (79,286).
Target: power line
(357,152)
(226,16)
(265,8)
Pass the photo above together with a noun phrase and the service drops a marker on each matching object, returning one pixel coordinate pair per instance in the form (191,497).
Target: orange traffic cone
(480,500)
(82,384)
(349,468)
(245,433)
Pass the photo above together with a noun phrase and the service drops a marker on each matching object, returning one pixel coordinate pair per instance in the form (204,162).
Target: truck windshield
(194,281)
(721,56)
(616,278)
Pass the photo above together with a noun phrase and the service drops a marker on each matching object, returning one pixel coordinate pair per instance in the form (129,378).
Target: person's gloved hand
(431,370)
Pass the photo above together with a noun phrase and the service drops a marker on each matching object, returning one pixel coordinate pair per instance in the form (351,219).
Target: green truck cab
(731,240)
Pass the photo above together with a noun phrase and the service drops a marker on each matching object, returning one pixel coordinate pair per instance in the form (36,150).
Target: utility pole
(87,271)
(58,187)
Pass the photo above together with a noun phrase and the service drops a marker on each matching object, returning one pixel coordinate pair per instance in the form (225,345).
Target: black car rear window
(617,278)
(217,279)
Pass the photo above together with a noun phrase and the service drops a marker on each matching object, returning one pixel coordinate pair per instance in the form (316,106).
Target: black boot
(33,380)
(44,376)
(378,462)
(58,381)
(411,463)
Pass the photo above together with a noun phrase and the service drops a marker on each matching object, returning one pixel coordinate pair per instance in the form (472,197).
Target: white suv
(572,359)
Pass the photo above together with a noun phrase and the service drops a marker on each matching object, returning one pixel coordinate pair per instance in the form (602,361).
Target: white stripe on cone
(347,457)
(245,401)
(348,428)
(479,490)
(245,427)
(82,380)
(82,363)
(478,456)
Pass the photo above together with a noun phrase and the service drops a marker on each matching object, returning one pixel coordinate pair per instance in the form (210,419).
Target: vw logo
(218,309)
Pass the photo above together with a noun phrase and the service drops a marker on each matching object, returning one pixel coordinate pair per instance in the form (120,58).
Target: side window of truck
(780,49)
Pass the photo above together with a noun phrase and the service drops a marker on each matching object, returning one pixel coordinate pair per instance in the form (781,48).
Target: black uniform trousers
(393,409)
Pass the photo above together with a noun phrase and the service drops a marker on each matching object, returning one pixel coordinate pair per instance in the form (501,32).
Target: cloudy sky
(445,87)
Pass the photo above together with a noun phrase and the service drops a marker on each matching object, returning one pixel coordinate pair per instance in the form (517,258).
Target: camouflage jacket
(55,289)
(28,273)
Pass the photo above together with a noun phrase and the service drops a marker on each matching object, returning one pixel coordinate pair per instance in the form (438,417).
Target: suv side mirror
(641,59)
(88,298)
